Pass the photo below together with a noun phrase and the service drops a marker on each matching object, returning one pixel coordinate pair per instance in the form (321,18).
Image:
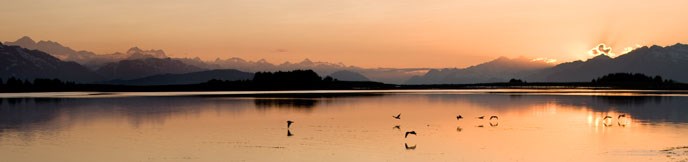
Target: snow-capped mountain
(86,58)
(28,64)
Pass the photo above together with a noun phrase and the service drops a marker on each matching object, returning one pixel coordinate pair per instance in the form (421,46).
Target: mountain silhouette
(670,62)
(86,58)
(345,75)
(132,69)
(499,70)
(28,64)
(187,78)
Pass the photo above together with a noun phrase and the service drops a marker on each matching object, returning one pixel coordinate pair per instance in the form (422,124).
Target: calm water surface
(336,126)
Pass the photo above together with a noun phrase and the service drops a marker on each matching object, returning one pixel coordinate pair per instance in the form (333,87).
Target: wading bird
(397,117)
(409,147)
(459,117)
(409,132)
(494,117)
(607,117)
(289,123)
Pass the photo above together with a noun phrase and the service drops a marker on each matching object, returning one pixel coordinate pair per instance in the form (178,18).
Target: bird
(459,129)
(289,123)
(396,127)
(409,147)
(622,115)
(289,133)
(459,117)
(620,124)
(397,117)
(607,117)
(409,132)
(494,117)
(480,126)
(481,117)
(494,125)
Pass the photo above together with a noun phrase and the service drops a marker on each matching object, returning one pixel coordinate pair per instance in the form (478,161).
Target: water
(533,125)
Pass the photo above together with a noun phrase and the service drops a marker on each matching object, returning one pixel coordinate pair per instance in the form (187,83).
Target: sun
(602,49)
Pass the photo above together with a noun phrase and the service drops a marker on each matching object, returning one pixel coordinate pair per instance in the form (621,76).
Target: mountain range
(116,65)
(30,64)
(499,70)
(48,59)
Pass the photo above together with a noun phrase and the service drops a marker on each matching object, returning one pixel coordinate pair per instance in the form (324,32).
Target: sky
(379,33)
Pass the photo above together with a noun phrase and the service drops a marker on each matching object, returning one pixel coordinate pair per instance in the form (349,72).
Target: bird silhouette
(494,125)
(289,122)
(409,132)
(396,127)
(397,117)
(494,117)
(289,133)
(481,117)
(480,126)
(459,129)
(622,115)
(459,117)
(409,147)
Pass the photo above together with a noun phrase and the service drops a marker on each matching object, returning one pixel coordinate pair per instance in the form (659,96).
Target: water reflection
(344,127)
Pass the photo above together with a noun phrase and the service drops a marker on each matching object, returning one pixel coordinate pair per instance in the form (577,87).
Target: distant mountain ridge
(97,61)
(132,69)
(86,58)
(28,64)
(669,62)
(186,78)
(499,70)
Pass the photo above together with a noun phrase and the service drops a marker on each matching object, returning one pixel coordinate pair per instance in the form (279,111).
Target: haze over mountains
(154,67)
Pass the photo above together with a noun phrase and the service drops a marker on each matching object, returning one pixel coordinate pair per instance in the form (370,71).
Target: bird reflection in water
(494,124)
(397,127)
(409,147)
(459,129)
(289,134)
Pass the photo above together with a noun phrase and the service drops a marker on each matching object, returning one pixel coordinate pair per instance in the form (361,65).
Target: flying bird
(494,117)
(481,117)
(409,132)
(622,115)
(459,117)
(289,123)
(397,117)
(409,147)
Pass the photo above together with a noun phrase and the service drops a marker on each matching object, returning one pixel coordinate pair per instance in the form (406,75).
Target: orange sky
(384,33)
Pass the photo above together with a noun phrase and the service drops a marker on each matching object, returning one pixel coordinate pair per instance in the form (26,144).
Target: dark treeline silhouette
(633,80)
(309,80)
(18,85)
(293,80)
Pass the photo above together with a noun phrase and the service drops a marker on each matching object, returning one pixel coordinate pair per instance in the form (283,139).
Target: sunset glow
(362,33)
